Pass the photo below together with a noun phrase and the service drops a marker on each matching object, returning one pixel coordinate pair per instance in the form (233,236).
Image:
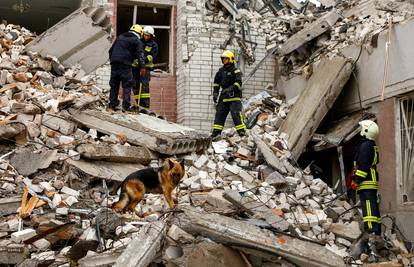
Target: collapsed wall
(200,36)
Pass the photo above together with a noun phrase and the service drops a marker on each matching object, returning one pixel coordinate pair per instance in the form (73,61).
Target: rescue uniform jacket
(365,161)
(229,79)
(126,48)
(151,52)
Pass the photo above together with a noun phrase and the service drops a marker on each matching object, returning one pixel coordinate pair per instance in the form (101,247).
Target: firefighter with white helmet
(142,79)
(365,177)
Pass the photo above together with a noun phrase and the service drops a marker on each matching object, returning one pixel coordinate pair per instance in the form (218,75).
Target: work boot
(376,243)
(111,108)
(126,107)
(215,137)
(361,246)
(242,133)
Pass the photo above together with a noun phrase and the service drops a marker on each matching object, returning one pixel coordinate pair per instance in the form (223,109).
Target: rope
(387,54)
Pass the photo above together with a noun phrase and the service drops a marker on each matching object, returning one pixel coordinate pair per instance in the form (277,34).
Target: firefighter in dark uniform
(228,78)
(142,76)
(126,48)
(365,178)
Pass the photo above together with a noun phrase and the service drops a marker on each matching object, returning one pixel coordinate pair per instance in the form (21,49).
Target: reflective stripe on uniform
(375,161)
(237,71)
(148,48)
(218,127)
(231,99)
(237,85)
(368,206)
(143,95)
(371,219)
(241,126)
(368,185)
(216,85)
(361,173)
(373,174)
(149,58)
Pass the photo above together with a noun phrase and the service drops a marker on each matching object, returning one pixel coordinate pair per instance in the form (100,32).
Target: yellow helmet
(228,54)
(136,28)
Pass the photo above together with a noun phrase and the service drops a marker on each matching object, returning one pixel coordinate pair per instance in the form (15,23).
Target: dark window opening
(159,19)
(36,15)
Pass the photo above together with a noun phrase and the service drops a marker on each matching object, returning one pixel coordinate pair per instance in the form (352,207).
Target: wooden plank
(239,234)
(144,246)
(7,87)
(315,101)
(308,33)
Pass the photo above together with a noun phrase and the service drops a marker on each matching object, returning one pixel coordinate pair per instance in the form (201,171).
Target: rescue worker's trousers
(222,110)
(143,82)
(370,211)
(120,73)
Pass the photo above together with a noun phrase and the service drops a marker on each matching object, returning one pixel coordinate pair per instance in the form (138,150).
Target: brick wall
(162,86)
(198,59)
(164,97)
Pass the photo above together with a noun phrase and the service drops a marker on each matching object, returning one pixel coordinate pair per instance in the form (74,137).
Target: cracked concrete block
(246,176)
(201,161)
(23,235)
(215,198)
(232,168)
(301,193)
(69,191)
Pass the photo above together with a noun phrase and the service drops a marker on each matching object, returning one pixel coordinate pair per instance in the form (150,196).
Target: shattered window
(407,151)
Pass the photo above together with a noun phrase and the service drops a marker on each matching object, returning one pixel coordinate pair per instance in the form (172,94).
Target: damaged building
(277,197)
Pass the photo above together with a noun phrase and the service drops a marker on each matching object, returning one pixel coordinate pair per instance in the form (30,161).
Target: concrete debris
(27,161)
(92,28)
(144,246)
(246,195)
(116,153)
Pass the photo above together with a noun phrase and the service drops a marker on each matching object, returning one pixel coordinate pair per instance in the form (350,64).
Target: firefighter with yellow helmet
(227,95)
(127,50)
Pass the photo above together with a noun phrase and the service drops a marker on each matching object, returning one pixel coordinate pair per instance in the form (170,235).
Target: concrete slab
(105,170)
(116,153)
(315,101)
(144,130)
(89,40)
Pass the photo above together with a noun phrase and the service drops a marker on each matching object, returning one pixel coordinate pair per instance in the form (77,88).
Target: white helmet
(149,30)
(369,129)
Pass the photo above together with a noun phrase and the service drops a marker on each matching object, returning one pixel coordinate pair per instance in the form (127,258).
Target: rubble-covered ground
(242,202)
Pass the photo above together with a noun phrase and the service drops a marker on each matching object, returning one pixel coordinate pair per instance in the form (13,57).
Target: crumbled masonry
(244,201)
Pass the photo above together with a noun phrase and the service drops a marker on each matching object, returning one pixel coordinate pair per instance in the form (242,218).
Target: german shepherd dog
(160,180)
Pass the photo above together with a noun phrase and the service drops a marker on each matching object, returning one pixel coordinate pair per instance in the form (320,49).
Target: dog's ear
(182,163)
(171,164)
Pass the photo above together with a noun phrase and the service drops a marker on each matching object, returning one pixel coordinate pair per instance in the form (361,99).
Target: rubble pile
(242,202)
(344,23)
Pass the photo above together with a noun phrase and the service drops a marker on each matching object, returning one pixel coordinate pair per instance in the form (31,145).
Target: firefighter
(126,49)
(228,78)
(143,76)
(365,177)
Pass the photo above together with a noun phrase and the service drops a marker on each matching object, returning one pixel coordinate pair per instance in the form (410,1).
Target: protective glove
(354,185)
(135,63)
(215,97)
(143,72)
